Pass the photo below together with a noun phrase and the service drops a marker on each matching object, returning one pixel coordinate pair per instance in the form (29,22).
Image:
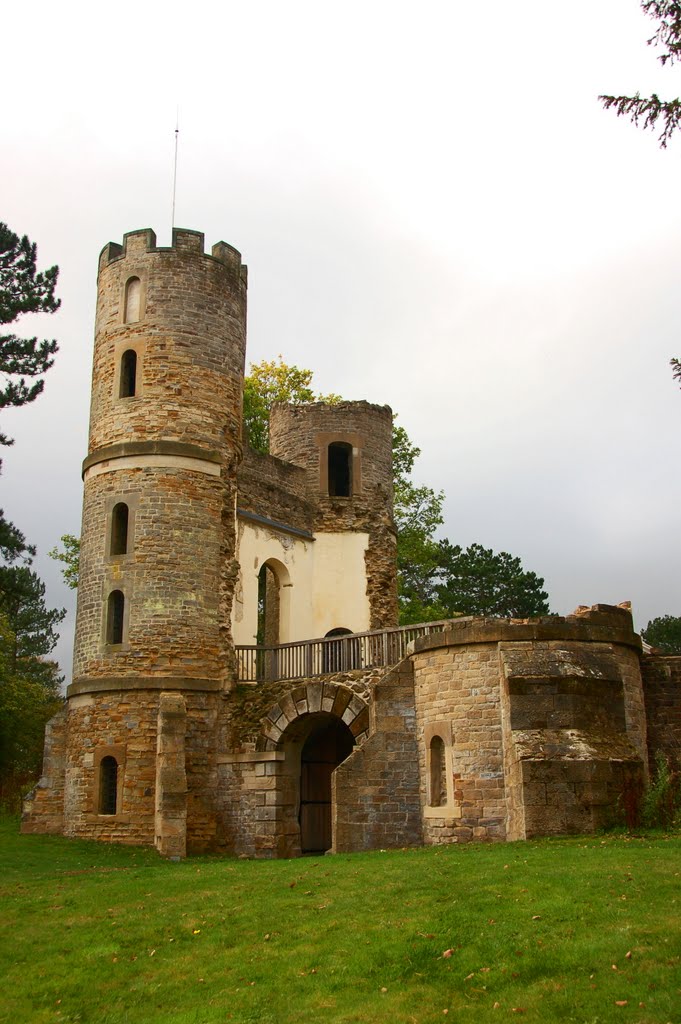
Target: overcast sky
(437,214)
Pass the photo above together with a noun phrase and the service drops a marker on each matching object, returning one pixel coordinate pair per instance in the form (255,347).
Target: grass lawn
(585,930)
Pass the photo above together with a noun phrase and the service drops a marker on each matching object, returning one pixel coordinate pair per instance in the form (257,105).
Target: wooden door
(324,750)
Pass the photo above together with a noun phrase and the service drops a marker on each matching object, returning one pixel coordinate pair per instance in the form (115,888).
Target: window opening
(128,374)
(119,529)
(438,772)
(108,785)
(114,624)
(133,300)
(340,469)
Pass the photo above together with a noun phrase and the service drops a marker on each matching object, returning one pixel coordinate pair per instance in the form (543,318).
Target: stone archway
(312,729)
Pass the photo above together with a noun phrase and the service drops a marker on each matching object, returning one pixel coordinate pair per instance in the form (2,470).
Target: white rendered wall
(323,581)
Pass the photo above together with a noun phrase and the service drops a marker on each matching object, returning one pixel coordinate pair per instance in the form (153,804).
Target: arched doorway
(274,586)
(340,655)
(268,606)
(327,745)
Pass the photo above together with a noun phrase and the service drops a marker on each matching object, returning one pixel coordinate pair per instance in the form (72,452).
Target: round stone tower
(160,476)
(346,450)
(153,646)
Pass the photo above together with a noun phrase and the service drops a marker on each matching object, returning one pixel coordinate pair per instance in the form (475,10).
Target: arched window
(438,773)
(340,469)
(114,617)
(133,300)
(128,374)
(119,529)
(108,785)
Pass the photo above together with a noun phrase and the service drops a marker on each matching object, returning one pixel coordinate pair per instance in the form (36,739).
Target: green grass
(538,931)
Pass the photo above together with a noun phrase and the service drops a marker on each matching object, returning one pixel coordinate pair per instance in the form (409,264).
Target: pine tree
(23,290)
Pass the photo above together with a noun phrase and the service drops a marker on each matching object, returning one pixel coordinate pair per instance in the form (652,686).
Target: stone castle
(240,682)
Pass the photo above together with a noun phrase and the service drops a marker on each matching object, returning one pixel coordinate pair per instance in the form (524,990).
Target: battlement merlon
(185,242)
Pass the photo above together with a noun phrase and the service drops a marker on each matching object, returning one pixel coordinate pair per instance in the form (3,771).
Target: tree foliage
(649,110)
(32,625)
(29,682)
(664,633)
(273,381)
(70,557)
(23,289)
(476,581)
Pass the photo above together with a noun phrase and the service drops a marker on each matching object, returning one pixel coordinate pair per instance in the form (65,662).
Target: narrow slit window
(114,622)
(438,772)
(340,470)
(108,785)
(119,529)
(128,374)
(133,300)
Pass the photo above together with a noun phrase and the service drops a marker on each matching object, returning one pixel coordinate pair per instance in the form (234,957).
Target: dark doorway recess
(324,750)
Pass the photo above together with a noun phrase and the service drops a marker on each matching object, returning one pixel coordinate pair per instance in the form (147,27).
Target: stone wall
(570,764)
(376,801)
(191,337)
(124,725)
(274,489)
(301,435)
(662,695)
(170,575)
(43,809)
(458,700)
(259,765)
(542,724)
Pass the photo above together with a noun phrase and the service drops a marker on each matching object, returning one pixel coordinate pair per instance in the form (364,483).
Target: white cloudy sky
(436,213)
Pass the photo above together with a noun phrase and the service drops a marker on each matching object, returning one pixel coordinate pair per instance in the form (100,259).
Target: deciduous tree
(70,557)
(273,381)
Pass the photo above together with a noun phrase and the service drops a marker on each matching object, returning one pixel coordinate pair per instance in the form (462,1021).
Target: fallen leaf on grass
(496,1006)
(518,1009)
(620,1002)
(536,917)
(447,953)
(627,956)
(152,952)
(197,931)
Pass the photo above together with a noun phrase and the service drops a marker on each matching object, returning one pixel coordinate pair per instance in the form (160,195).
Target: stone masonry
(178,735)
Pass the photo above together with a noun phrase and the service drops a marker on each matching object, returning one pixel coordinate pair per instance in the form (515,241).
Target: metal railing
(327,655)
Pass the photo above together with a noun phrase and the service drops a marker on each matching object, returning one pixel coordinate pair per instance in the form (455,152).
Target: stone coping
(130,448)
(273,524)
(109,684)
(604,624)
